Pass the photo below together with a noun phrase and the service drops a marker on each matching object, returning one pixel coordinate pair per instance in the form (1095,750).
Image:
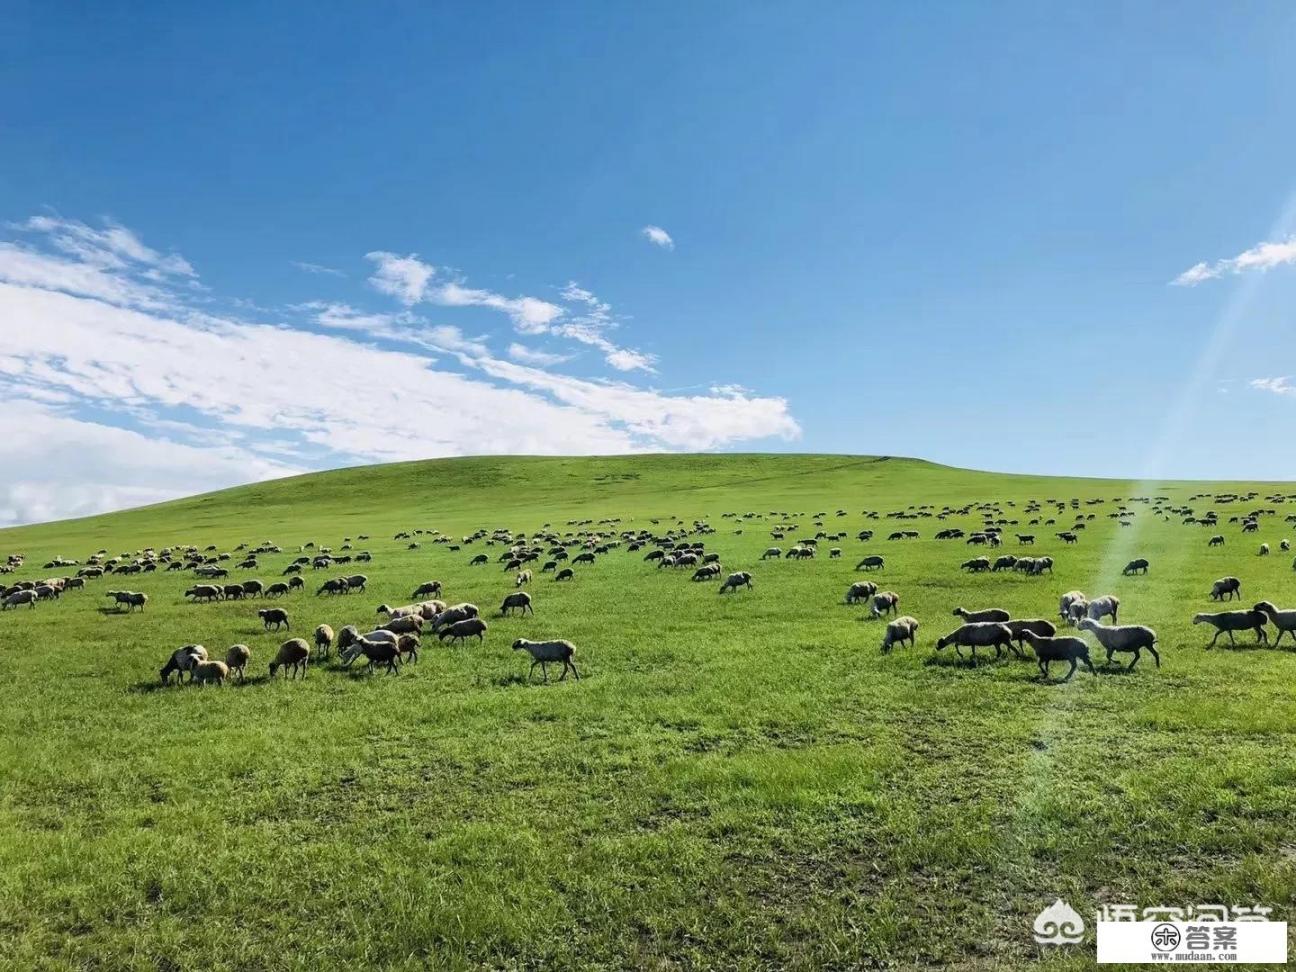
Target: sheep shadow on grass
(966,661)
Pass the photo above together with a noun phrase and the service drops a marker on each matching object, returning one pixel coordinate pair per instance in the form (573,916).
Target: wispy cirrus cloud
(657,237)
(1278,386)
(110,354)
(1261,257)
(317,268)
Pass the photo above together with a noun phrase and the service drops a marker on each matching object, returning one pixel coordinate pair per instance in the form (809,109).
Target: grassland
(737,782)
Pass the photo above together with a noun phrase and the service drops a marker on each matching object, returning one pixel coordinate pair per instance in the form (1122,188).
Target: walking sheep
(989,614)
(543,652)
(1284,621)
(467,628)
(1038,626)
(1128,637)
(1066,648)
(982,634)
(1226,622)
(275,616)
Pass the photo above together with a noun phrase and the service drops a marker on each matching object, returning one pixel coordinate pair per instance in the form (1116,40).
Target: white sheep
(899,631)
(293,657)
(1101,607)
(543,652)
(1126,637)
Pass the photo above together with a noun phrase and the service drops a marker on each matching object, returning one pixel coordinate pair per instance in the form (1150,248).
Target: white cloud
(1262,257)
(57,466)
(658,237)
(1279,386)
(113,247)
(530,314)
(403,277)
(317,268)
(535,357)
(94,357)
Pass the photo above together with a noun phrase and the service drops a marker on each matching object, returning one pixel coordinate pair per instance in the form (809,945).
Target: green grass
(737,782)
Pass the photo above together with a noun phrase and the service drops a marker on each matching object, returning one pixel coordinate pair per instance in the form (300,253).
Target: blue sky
(263,238)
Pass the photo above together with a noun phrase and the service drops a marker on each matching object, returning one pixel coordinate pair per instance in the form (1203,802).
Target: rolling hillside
(738,781)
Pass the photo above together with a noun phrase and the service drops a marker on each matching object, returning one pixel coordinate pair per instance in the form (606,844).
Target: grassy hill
(742,781)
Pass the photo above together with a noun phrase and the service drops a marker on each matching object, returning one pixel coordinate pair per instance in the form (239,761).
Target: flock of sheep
(679,546)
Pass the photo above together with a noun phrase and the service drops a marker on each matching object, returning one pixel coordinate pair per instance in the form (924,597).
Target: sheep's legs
(1071,671)
(1155,656)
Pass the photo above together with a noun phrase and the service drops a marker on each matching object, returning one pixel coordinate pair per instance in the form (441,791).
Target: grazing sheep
(1101,607)
(523,577)
(296,584)
(899,631)
(347,637)
(323,640)
(860,591)
(988,614)
(1069,598)
(1284,621)
(736,580)
(253,588)
(834,553)
(23,597)
(1216,541)
(708,572)
(275,616)
(405,624)
(1139,566)
(276,590)
(565,574)
(1284,545)
(1066,648)
(209,671)
(1006,562)
(336,585)
(871,563)
(467,628)
(519,600)
(450,615)
(775,552)
(1039,626)
(183,660)
(237,659)
(1128,637)
(377,652)
(1264,550)
(1025,538)
(543,652)
(1226,588)
(885,602)
(982,634)
(976,565)
(205,592)
(131,599)
(293,654)
(430,587)
(1226,622)
(479,560)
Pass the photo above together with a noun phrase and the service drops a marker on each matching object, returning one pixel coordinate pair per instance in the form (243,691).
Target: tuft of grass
(741,781)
